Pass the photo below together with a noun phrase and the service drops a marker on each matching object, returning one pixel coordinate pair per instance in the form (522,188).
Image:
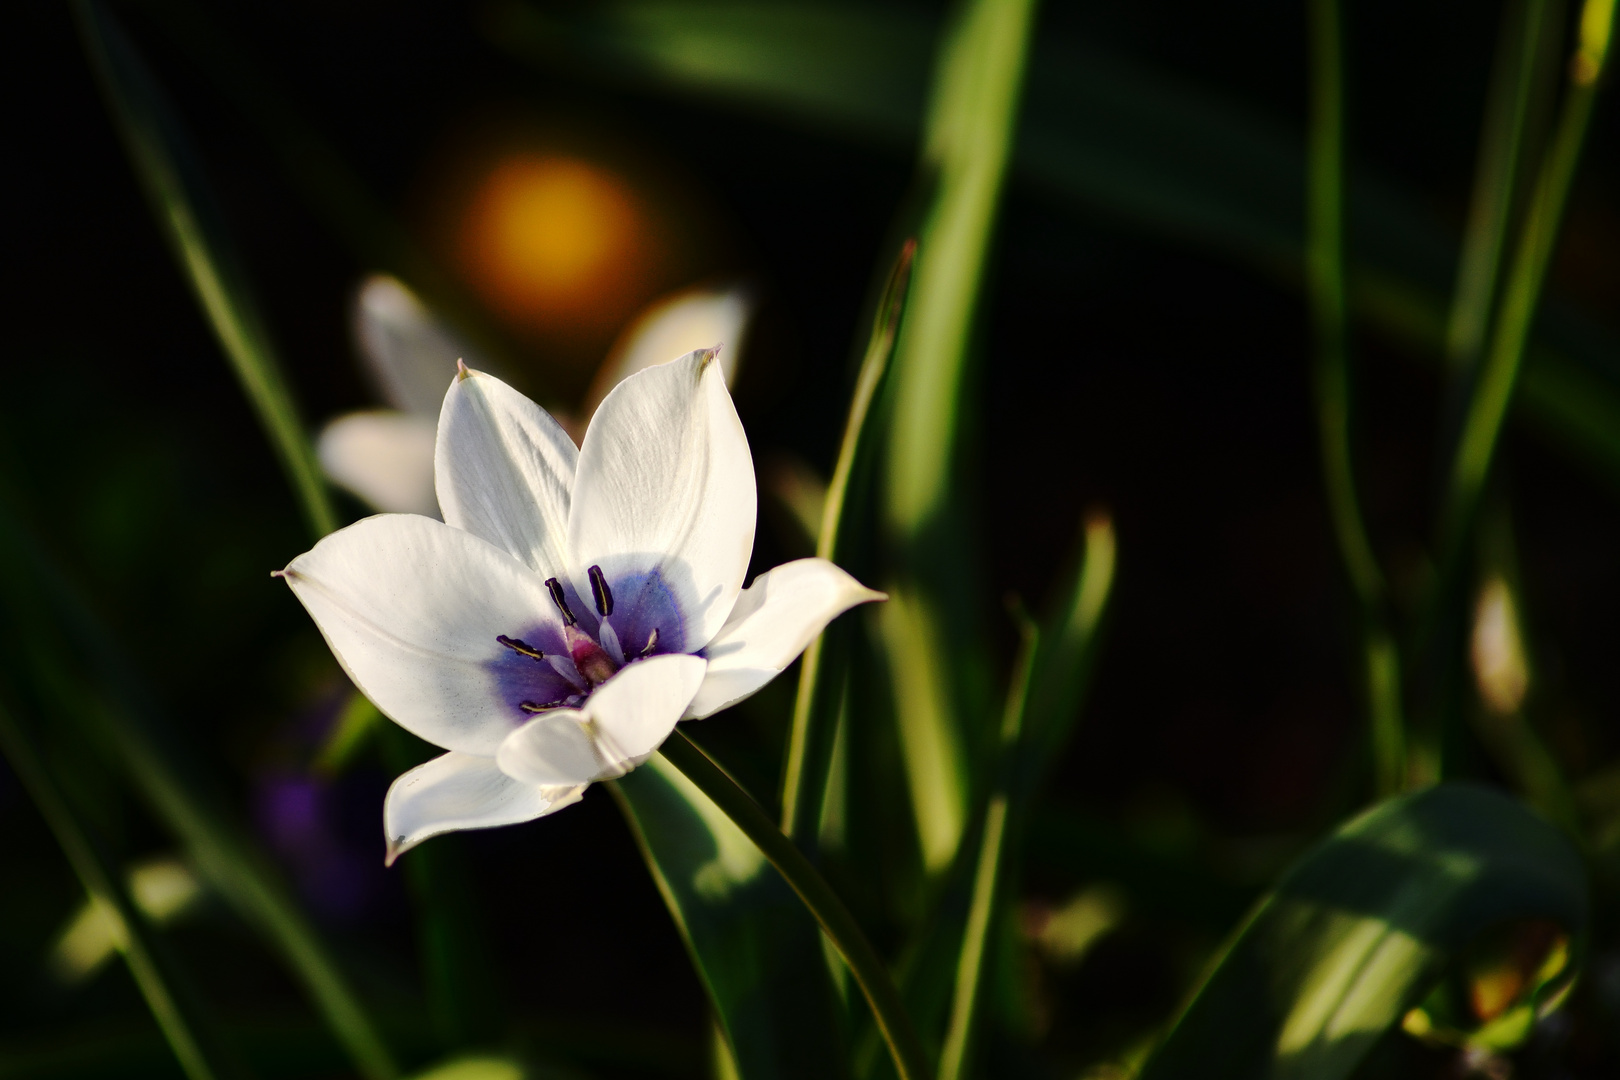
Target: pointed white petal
(774,620)
(671,327)
(462,791)
(665,487)
(505,469)
(411,352)
(384,457)
(412,609)
(620,724)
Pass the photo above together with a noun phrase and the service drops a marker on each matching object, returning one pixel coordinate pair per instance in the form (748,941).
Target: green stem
(989,873)
(1325,290)
(1482,427)
(199,1055)
(836,921)
(804,780)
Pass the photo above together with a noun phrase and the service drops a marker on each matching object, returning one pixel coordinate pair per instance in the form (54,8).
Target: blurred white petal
(386,458)
(410,351)
(674,326)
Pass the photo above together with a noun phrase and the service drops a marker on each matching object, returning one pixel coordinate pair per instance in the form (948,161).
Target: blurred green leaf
(968,137)
(846,514)
(1363,925)
(755,947)
(190,1033)
(109,703)
(185,211)
(1099,133)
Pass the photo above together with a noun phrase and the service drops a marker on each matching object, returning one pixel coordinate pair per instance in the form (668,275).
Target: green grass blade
(815,712)
(185,213)
(1360,928)
(968,139)
(198,1049)
(42,601)
(1510,335)
(1527,27)
(990,872)
(1326,292)
(755,948)
(1143,146)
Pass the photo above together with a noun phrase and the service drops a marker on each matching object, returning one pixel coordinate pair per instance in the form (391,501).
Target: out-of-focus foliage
(1322,645)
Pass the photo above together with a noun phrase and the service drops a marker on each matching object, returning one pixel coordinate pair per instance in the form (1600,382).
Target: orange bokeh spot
(556,245)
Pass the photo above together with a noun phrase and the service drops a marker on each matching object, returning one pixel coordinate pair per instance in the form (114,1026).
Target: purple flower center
(552,668)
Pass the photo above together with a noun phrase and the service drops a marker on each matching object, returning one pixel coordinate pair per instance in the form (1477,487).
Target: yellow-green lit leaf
(475,1067)
(1361,928)
(755,947)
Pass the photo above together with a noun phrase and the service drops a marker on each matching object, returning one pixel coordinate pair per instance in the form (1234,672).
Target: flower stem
(1325,291)
(836,921)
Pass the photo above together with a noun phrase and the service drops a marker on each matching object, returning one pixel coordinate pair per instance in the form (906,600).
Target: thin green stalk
(1482,428)
(179,202)
(44,602)
(200,1055)
(836,921)
(804,780)
(990,872)
(1325,291)
(1526,28)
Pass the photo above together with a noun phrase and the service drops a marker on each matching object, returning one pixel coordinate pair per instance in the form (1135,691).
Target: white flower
(573,605)
(385,456)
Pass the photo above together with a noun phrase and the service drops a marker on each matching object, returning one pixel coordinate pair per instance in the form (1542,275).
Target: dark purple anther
(562,604)
(600,592)
(521,647)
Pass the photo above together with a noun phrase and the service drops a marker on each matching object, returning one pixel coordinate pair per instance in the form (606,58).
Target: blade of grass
(320,175)
(54,612)
(179,199)
(1142,146)
(815,711)
(1527,25)
(968,139)
(1503,359)
(201,1054)
(990,872)
(836,921)
(1326,294)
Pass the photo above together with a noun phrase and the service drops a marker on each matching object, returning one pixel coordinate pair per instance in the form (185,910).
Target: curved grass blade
(842,932)
(756,949)
(1360,928)
(968,139)
(991,870)
(1510,335)
(198,1049)
(42,601)
(815,712)
(180,202)
(1143,146)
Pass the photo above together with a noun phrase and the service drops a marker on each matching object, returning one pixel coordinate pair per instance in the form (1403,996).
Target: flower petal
(665,489)
(462,791)
(774,620)
(504,470)
(672,327)
(412,609)
(618,727)
(410,351)
(384,457)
